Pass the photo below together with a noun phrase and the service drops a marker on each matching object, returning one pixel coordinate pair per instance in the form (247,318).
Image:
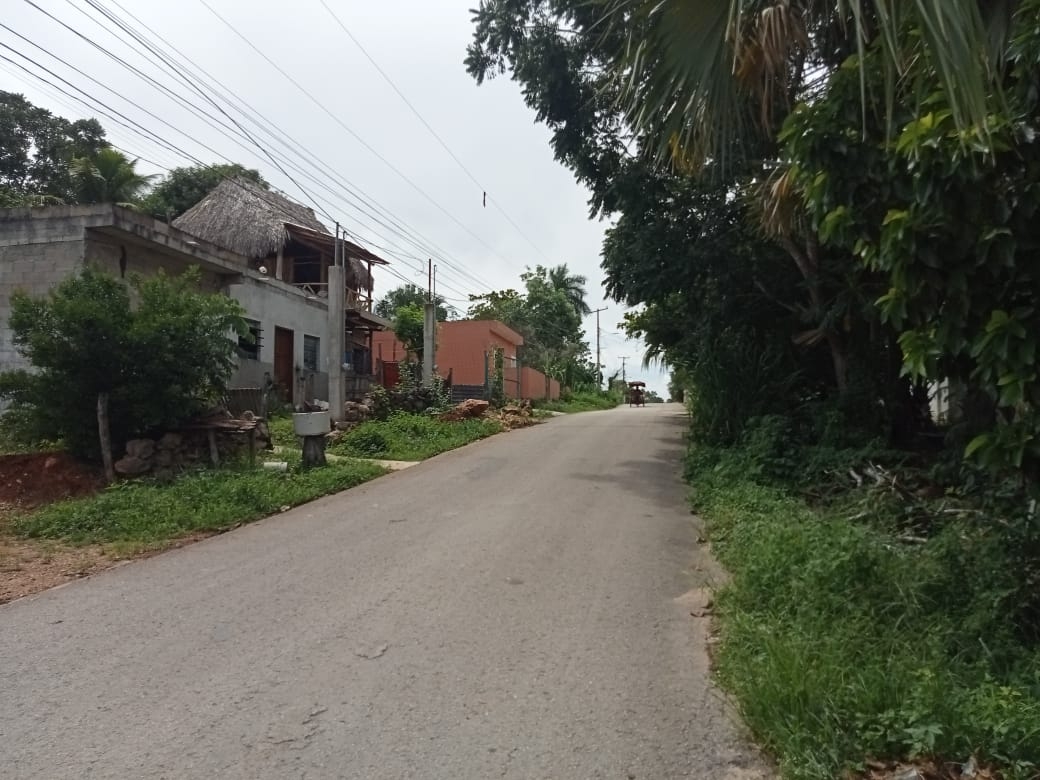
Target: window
(249,346)
(311,350)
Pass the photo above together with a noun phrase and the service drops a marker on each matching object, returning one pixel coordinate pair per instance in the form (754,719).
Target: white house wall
(273,305)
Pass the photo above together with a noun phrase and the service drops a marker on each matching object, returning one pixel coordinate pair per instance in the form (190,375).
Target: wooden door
(284,376)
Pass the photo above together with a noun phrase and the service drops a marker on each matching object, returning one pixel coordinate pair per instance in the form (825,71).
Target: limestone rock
(170,441)
(141,449)
(131,466)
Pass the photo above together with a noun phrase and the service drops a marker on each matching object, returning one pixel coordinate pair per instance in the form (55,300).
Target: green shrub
(161,360)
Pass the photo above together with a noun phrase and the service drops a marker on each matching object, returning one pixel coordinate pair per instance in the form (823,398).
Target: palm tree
(572,286)
(108,177)
(697,72)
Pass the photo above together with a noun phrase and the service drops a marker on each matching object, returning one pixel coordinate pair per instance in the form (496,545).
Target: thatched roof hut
(244,218)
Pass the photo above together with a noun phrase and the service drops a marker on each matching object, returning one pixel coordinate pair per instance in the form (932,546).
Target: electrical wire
(262,123)
(429,127)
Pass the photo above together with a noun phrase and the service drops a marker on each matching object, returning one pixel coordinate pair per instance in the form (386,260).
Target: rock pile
(467,410)
(164,456)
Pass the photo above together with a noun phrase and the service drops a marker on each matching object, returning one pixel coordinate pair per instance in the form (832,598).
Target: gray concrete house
(268,253)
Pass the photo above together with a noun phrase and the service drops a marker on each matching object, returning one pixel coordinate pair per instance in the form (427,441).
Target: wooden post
(105,436)
(214,453)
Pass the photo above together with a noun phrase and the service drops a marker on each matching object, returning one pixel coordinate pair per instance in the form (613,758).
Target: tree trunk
(105,436)
(808,263)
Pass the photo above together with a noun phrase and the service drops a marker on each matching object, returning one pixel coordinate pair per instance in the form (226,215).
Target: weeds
(411,437)
(580,402)
(843,641)
(144,512)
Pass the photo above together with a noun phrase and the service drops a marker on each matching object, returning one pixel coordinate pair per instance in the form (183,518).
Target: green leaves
(161,360)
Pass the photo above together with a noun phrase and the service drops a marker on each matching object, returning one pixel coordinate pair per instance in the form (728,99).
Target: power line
(213,122)
(111,114)
(429,127)
(270,129)
(352,133)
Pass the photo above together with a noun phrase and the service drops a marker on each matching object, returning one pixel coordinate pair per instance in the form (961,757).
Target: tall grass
(582,401)
(148,512)
(842,641)
(411,437)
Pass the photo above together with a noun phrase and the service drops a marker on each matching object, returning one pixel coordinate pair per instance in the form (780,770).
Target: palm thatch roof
(246,219)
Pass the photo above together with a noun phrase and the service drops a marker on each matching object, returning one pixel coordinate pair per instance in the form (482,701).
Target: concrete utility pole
(429,330)
(336,332)
(599,368)
(624,377)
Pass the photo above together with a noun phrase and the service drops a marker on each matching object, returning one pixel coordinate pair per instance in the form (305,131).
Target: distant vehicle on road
(636,394)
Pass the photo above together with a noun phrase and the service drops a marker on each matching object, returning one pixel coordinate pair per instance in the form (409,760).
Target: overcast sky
(429,198)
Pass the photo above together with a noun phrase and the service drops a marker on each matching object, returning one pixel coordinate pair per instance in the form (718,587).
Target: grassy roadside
(148,514)
(580,402)
(411,437)
(843,638)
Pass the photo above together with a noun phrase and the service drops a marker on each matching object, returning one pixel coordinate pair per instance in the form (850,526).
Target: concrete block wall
(274,305)
(32,263)
(104,253)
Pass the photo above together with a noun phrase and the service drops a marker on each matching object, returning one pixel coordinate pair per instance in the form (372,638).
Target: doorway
(284,375)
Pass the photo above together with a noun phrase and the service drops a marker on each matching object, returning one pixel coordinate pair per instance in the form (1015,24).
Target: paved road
(519,608)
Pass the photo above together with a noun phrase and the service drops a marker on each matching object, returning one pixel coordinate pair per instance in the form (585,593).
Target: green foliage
(107,176)
(182,188)
(411,437)
(548,315)
(142,511)
(411,295)
(37,150)
(409,325)
(161,360)
(410,395)
(947,214)
(841,640)
(581,401)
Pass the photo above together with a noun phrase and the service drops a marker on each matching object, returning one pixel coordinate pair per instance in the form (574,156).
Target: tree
(948,217)
(698,72)
(409,324)
(687,242)
(108,176)
(149,365)
(572,286)
(182,188)
(36,149)
(410,295)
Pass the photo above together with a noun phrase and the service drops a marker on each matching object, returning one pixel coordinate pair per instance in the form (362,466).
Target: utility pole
(624,377)
(336,333)
(429,329)
(599,368)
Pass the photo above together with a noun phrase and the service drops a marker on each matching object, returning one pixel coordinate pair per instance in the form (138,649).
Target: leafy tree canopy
(161,359)
(182,188)
(36,149)
(410,295)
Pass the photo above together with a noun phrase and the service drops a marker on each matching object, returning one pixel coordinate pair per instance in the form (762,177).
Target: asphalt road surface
(520,608)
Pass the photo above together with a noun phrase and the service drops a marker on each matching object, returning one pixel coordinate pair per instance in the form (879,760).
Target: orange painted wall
(460,347)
